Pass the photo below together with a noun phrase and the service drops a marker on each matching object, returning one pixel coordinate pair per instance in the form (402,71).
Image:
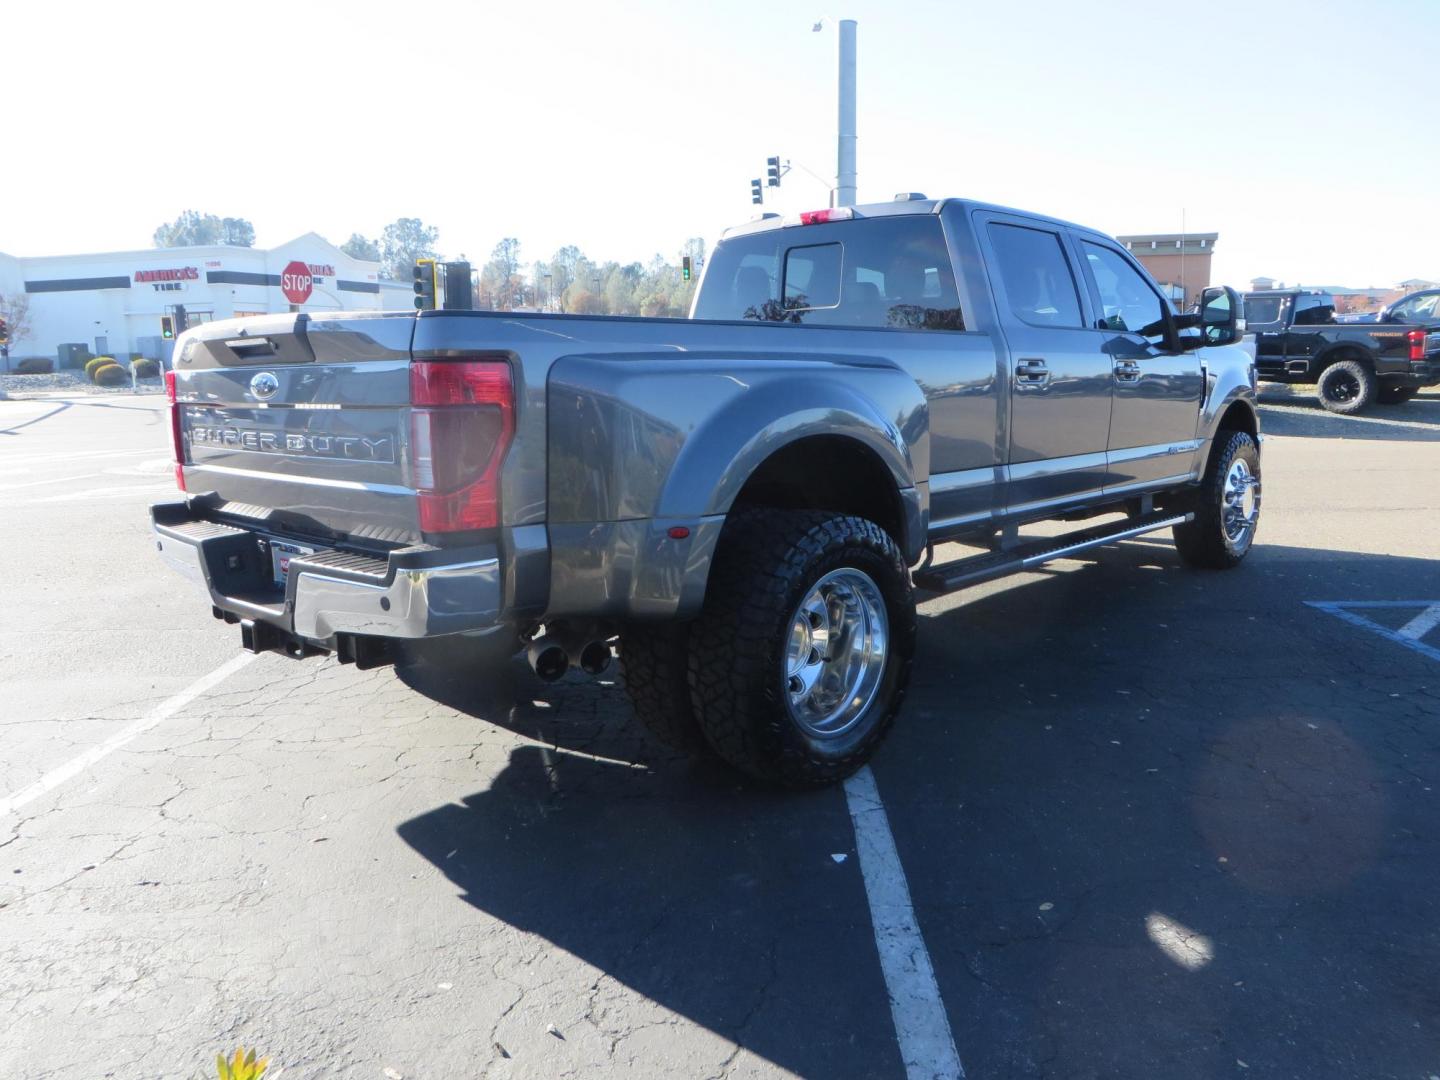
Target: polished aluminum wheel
(835,658)
(1241,497)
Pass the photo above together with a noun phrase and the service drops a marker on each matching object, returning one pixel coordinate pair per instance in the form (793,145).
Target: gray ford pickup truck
(746,503)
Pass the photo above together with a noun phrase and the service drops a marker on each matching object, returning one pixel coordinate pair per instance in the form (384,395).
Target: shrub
(35,365)
(96,362)
(111,374)
(146,369)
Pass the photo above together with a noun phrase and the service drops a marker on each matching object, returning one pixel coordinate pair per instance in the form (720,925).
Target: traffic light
(167,327)
(425,284)
(4,332)
(458,294)
(685,268)
(772,171)
(757,193)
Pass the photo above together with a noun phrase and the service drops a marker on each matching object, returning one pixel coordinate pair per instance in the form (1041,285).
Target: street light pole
(845,157)
(844,194)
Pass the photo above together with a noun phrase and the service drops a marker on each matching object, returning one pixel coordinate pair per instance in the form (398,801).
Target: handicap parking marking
(1422,624)
(1425,620)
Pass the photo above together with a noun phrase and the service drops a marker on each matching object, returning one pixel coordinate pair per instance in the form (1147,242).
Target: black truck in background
(1352,365)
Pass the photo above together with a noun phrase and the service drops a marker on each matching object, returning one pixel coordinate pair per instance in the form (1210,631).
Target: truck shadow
(1286,410)
(1215,792)
(678,882)
(15,429)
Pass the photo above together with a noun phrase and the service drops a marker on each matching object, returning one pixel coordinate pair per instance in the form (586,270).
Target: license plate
(280,556)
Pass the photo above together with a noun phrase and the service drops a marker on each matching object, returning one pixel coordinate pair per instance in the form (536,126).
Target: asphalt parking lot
(1154,822)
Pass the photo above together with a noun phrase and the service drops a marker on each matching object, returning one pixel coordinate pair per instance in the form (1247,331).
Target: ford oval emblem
(264,386)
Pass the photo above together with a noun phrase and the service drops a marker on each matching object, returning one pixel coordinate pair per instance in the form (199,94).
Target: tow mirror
(1222,316)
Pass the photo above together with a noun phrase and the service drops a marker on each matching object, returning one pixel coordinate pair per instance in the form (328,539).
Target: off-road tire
(1203,541)
(766,563)
(654,668)
(1395,395)
(1346,387)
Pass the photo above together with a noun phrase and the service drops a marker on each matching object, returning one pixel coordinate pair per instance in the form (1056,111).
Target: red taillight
(175,442)
(820,217)
(1416,338)
(462,417)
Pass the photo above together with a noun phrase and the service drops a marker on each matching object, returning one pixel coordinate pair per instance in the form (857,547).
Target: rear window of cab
(889,272)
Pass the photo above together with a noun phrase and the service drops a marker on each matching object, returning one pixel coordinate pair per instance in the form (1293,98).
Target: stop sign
(295,282)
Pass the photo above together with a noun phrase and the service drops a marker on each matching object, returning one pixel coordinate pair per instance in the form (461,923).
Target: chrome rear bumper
(413,593)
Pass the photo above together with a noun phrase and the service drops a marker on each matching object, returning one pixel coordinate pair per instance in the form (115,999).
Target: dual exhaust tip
(550,658)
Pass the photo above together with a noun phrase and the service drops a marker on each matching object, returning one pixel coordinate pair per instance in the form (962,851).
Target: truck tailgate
(301,421)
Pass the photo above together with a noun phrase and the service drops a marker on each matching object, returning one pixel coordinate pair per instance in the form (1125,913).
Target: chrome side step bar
(947,577)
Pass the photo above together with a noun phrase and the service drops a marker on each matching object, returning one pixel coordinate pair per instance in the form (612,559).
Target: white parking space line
(119,492)
(1409,635)
(48,482)
(921,1026)
(25,463)
(162,712)
(1422,624)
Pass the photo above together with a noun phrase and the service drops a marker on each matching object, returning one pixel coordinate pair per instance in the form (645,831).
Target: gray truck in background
(746,503)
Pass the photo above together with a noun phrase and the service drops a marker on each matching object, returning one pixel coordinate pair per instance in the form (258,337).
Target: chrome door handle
(1127,371)
(1030,374)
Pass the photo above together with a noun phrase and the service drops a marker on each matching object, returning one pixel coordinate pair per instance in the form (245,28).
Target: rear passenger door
(1304,338)
(886,287)
(1060,380)
(1157,387)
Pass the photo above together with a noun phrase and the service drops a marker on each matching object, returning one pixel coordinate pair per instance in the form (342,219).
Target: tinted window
(884,272)
(1127,302)
(1314,310)
(1264,310)
(812,277)
(1036,275)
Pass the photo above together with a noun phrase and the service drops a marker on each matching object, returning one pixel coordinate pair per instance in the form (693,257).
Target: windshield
(1416,308)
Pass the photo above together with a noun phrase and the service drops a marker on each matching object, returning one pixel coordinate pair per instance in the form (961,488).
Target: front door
(1157,386)
(1060,380)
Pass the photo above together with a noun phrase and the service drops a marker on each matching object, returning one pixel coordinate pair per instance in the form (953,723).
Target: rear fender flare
(880,408)
(1348,350)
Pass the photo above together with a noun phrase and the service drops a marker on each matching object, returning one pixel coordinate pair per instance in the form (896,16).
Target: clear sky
(1303,133)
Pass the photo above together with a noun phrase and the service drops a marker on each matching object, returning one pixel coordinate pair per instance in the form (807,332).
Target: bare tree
(195,228)
(362,248)
(403,241)
(501,287)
